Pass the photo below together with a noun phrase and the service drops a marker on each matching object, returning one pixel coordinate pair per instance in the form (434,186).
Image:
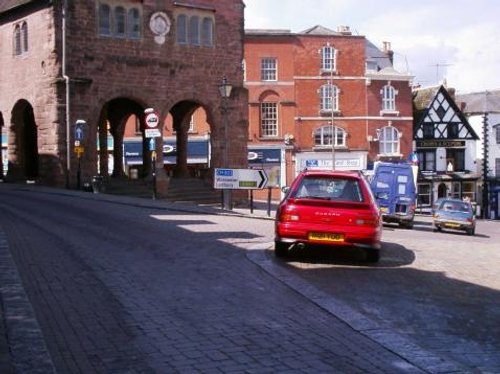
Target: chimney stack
(386,47)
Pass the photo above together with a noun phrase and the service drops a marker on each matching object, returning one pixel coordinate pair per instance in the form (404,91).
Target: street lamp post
(331,58)
(225,89)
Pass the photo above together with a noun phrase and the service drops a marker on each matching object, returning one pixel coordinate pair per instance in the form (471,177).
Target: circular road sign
(152,120)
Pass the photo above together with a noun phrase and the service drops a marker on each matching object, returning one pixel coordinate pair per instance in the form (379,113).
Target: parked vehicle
(455,214)
(330,208)
(394,187)
(436,205)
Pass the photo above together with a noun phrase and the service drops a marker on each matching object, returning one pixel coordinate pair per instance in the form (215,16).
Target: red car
(331,208)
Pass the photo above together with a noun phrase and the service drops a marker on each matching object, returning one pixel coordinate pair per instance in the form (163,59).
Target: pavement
(19,330)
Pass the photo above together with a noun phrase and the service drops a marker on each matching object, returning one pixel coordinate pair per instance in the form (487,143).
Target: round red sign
(152,120)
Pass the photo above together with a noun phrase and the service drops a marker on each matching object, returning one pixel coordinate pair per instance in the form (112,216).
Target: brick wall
(106,68)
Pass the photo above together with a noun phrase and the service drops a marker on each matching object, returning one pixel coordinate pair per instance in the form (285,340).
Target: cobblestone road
(118,288)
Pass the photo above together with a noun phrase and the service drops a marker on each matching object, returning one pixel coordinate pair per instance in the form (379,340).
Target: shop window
(469,191)
(424,194)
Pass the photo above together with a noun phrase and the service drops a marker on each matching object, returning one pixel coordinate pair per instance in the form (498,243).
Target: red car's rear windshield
(328,188)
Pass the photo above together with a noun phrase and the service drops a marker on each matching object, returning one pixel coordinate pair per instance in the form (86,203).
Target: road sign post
(79,137)
(152,131)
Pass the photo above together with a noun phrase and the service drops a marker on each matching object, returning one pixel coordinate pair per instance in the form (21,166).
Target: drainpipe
(66,80)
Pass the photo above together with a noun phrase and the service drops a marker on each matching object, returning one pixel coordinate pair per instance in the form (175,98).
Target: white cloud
(436,39)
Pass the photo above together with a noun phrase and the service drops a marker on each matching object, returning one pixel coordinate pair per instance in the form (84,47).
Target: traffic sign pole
(152,131)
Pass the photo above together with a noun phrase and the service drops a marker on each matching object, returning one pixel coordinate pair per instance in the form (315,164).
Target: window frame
(181,29)
(104,24)
(207,32)
(427,160)
(328,59)
(329,98)
(269,69)
(17,44)
(120,21)
(24,37)
(133,20)
(386,143)
(497,133)
(269,119)
(194,30)
(324,135)
(457,156)
(388,94)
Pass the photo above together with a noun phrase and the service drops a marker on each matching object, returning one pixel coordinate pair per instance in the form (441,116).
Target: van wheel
(280,249)
(372,255)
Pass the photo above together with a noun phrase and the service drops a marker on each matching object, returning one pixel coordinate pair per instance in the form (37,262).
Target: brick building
(108,60)
(305,87)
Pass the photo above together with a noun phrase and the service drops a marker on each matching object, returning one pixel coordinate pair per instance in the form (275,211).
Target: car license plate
(452,225)
(326,237)
(384,209)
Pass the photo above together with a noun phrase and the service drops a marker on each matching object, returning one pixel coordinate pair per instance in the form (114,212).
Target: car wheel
(372,255)
(281,249)
(408,225)
(438,228)
(471,231)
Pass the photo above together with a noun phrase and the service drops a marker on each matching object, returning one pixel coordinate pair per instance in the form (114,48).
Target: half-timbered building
(446,148)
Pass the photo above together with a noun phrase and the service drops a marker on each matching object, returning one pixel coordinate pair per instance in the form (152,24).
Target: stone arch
(269,95)
(23,143)
(181,115)
(112,121)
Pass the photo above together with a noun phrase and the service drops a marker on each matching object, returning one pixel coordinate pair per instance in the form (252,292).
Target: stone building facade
(103,61)
(312,88)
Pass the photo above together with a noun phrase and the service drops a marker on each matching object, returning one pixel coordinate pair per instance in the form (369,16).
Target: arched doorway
(442,190)
(23,143)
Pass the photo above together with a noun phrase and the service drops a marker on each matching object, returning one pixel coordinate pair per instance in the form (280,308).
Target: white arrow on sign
(240,179)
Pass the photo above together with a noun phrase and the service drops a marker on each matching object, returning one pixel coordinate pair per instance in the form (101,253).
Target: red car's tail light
(366,221)
(289,217)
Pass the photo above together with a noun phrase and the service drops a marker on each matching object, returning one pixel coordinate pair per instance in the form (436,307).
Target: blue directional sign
(79,131)
(240,179)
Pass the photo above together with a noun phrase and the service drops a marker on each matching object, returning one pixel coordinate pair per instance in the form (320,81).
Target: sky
(433,40)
